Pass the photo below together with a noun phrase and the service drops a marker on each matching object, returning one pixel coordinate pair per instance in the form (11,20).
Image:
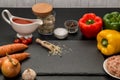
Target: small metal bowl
(61,33)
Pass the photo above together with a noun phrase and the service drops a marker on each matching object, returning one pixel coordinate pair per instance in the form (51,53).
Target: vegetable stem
(104,42)
(11,60)
(89,21)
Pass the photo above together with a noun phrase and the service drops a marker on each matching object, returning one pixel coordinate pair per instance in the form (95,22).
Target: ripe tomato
(22,38)
(29,40)
(17,41)
(25,42)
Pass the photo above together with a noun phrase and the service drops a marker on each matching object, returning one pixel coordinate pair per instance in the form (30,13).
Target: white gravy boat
(22,29)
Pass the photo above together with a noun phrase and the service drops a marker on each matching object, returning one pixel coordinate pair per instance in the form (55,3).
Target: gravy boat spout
(23,26)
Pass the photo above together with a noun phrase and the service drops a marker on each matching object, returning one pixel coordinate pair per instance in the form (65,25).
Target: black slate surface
(84,59)
(75,78)
(65,78)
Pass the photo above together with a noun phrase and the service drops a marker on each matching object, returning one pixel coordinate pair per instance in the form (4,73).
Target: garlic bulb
(29,74)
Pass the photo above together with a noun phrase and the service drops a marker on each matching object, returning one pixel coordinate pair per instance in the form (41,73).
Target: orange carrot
(11,48)
(18,56)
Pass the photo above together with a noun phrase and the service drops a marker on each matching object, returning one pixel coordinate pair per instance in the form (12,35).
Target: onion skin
(9,69)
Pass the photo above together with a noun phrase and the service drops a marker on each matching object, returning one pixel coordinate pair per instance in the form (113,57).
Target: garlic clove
(29,74)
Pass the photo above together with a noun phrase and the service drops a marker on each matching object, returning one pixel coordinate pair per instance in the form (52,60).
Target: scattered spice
(64,49)
(55,49)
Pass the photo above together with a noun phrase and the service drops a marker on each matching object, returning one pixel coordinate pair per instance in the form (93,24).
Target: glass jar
(45,12)
(48,25)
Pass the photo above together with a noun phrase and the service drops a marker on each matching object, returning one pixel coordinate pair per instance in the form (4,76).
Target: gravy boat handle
(39,21)
(8,14)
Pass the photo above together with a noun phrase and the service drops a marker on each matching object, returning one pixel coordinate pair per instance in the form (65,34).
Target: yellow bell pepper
(108,42)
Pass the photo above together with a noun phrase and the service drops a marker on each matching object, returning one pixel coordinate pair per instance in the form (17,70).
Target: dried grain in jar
(44,11)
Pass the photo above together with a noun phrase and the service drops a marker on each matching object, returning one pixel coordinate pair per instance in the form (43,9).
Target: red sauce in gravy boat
(23,26)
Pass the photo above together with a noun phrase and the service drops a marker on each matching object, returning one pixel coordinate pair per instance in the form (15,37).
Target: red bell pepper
(90,25)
